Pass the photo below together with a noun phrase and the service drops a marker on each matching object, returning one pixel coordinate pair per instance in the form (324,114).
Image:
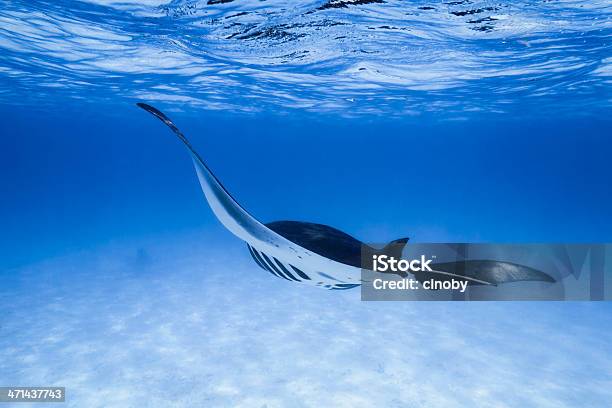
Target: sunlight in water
(347,57)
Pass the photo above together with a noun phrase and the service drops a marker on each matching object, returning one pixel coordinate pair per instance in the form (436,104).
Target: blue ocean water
(469,121)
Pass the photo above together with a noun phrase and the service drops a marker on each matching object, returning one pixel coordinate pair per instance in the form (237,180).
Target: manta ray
(320,255)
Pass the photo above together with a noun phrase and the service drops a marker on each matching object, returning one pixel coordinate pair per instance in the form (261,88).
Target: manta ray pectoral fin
(443,275)
(486,272)
(279,247)
(235,218)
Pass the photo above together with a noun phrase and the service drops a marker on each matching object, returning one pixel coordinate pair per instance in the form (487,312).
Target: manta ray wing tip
(147,107)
